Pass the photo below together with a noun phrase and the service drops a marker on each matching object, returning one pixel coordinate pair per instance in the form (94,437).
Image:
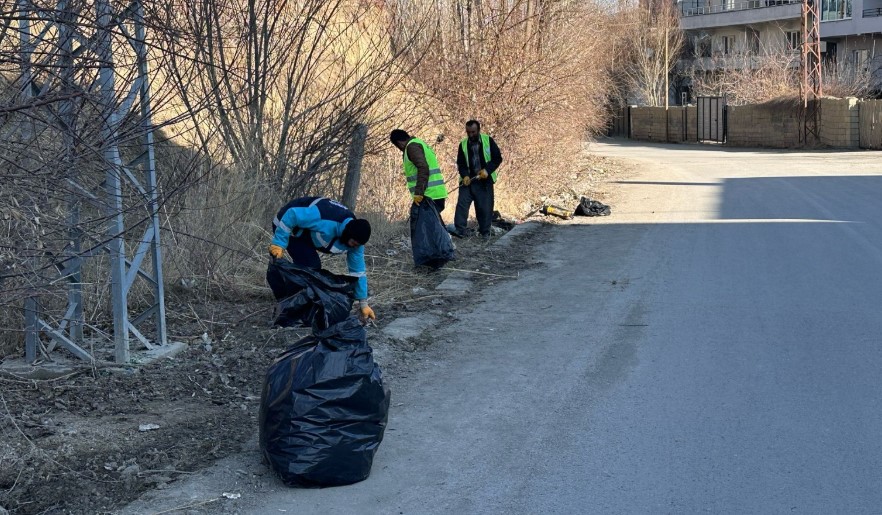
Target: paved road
(714,346)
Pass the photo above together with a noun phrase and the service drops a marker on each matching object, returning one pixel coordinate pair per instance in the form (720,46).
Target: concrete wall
(648,124)
(840,122)
(871,124)
(772,124)
(682,124)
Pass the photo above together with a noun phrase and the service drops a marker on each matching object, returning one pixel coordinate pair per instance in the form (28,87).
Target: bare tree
(528,69)
(279,86)
(651,40)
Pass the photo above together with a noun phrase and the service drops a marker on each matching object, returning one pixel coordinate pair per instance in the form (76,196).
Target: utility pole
(667,68)
(667,86)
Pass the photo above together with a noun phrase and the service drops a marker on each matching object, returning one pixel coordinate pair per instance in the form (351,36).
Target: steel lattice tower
(811,69)
(87,36)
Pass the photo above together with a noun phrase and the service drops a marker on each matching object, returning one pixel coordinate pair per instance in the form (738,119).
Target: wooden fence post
(353,168)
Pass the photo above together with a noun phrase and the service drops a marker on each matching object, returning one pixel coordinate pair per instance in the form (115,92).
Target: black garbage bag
(309,297)
(430,241)
(324,409)
(588,207)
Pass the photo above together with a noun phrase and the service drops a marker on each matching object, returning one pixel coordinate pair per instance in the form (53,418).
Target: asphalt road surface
(713,346)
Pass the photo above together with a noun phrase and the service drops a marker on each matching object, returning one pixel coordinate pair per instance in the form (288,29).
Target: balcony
(872,13)
(693,9)
(704,14)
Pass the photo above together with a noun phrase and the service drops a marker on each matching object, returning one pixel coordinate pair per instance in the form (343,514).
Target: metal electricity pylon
(810,87)
(97,50)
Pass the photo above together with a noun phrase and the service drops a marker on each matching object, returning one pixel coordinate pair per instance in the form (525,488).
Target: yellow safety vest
(485,144)
(436,188)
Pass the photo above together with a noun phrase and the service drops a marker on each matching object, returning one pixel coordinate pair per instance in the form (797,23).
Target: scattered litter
(588,207)
(418,290)
(552,210)
(147,427)
(229,495)
(497,231)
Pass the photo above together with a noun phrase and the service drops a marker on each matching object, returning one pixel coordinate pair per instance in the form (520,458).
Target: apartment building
(729,32)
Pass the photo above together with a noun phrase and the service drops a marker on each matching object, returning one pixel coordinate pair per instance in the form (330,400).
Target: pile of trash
(586,207)
(324,407)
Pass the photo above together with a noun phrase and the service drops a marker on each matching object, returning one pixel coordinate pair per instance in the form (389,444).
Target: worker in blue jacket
(309,225)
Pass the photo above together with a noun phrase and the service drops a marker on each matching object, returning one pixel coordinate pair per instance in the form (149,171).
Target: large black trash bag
(309,297)
(324,409)
(429,239)
(588,207)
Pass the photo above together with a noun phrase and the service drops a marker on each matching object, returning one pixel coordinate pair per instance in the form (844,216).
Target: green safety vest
(436,188)
(485,145)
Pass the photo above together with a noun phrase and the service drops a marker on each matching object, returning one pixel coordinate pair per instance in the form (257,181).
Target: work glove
(483,174)
(417,199)
(365,312)
(276,251)
(466,181)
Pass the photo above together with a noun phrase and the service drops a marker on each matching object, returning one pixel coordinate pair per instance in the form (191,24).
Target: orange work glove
(365,312)
(483,174)
(417,199)
(466,180)
(276,251)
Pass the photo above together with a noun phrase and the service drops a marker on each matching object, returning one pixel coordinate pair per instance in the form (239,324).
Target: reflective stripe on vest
(435,188)
(485,146)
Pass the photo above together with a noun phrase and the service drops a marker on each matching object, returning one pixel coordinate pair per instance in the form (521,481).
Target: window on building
(727,45)
(835,10)
(861,59)
(794,40)
(753,41)
(703,46)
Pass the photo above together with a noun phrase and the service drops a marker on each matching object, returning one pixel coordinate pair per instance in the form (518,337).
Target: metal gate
(711,119)
(620,124)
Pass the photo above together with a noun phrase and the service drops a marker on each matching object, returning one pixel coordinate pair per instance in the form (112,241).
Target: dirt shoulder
(97,439)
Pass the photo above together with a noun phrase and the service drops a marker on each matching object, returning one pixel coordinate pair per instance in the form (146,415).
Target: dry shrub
(524,69)
(774,74)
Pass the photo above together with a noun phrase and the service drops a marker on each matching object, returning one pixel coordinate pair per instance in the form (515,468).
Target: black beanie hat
(357,229)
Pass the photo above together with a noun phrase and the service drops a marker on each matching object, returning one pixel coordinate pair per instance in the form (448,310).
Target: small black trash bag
(431,243)
(588,207)
(324,409)
(309,297)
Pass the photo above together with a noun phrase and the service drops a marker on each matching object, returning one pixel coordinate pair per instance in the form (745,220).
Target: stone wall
(842,123)
(771,124)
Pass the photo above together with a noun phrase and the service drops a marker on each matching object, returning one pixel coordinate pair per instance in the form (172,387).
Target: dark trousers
(481,193)
(303,252)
